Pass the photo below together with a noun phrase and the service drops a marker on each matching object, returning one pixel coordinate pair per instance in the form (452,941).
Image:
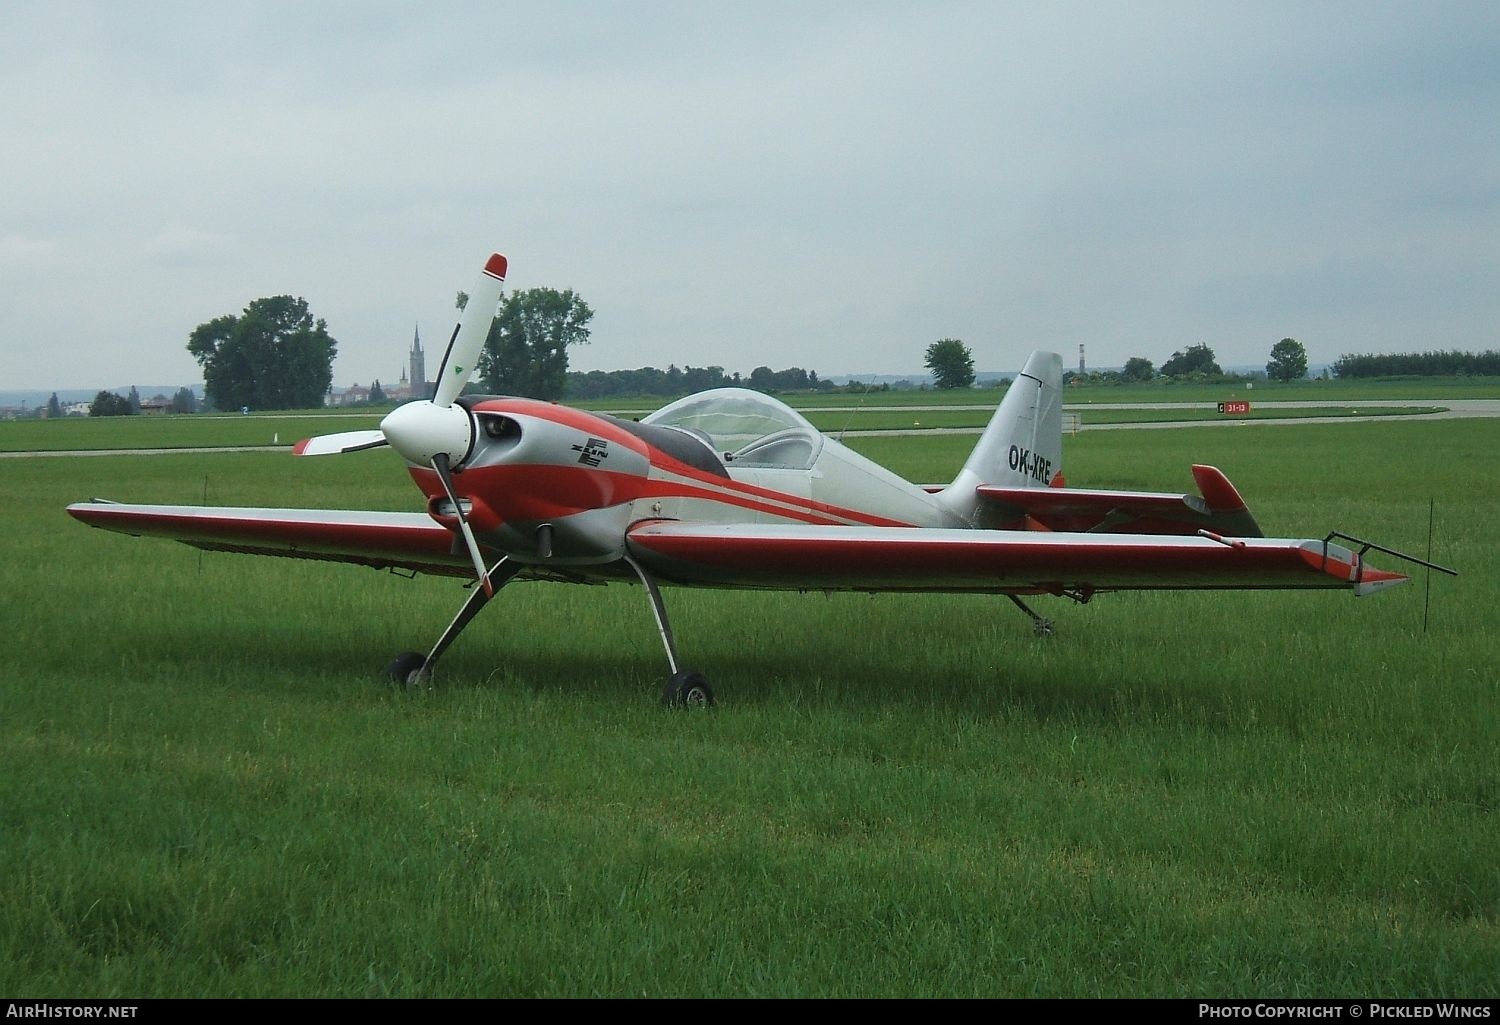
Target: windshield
(746,427)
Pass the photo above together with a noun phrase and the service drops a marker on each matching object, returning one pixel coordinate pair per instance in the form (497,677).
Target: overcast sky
(825,185)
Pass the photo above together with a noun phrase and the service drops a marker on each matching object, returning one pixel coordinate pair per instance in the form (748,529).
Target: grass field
(207,792)
(267,429)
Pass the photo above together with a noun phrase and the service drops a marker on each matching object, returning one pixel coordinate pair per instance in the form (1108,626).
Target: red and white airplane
(731,488)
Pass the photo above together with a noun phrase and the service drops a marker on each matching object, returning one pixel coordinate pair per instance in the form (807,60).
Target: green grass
(268,429)
(206,792)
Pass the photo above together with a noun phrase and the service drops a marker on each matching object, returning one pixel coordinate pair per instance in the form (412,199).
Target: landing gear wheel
(687,689)
(1041,627)
(405,670)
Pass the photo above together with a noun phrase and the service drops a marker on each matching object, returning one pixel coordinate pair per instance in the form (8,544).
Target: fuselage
(548,483)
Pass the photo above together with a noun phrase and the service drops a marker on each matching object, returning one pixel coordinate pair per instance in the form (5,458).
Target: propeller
(468,337)
(338,444)
(437,432)
(422,430)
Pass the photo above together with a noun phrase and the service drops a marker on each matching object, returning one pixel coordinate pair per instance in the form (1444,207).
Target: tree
(272,356)
(1288,361)
(1138,368)
(790,379)
(183,402)
(526,352)
(1195,360)
(134,398)
(377,393)
(951,363)
(107,403)
(54,407)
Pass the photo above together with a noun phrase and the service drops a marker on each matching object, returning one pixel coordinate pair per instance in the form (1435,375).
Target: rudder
(1022,446)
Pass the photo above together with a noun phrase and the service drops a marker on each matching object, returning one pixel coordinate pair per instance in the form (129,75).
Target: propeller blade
(336,444)
(440,464)
(468,337)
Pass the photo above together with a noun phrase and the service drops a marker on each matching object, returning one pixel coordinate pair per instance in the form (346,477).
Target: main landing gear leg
(1040,625)
(685,688)
(414,670)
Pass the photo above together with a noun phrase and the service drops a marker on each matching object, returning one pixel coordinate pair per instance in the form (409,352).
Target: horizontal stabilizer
(1218,508)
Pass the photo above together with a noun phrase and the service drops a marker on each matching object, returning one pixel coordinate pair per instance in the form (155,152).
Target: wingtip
(300,447)
(1373,580)
(1349,567)
(496,266)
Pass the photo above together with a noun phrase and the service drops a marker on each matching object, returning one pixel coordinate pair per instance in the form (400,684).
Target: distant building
(414,383)
(418,380)
(350,395)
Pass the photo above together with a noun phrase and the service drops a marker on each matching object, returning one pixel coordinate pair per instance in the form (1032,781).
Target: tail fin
(1022,446)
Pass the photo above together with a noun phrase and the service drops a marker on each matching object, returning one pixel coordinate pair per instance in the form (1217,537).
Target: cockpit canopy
(745,427)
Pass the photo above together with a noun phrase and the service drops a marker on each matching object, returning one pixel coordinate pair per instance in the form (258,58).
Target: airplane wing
(408,541)
(1219,508)
(1009,562)
(789,557)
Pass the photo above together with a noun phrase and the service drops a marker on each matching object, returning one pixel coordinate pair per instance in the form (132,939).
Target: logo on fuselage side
(1032,464)
(593,452)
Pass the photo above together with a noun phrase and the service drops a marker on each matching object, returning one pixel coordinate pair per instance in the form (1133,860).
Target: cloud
(178,245)
(829,185)
(23,254)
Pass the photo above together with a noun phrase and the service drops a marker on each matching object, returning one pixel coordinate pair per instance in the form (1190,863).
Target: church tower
(418,378)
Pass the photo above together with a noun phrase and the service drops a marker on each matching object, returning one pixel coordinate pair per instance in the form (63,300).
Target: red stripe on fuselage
(526,492)
(531,486)
(538,492)
(745,496)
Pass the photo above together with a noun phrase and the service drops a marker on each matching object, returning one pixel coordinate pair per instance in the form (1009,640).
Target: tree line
(603,384)
(1419,364)
(276,355)
(108,403)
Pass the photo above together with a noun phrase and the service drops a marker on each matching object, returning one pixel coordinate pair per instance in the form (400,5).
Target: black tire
(402,666)
(687,689)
